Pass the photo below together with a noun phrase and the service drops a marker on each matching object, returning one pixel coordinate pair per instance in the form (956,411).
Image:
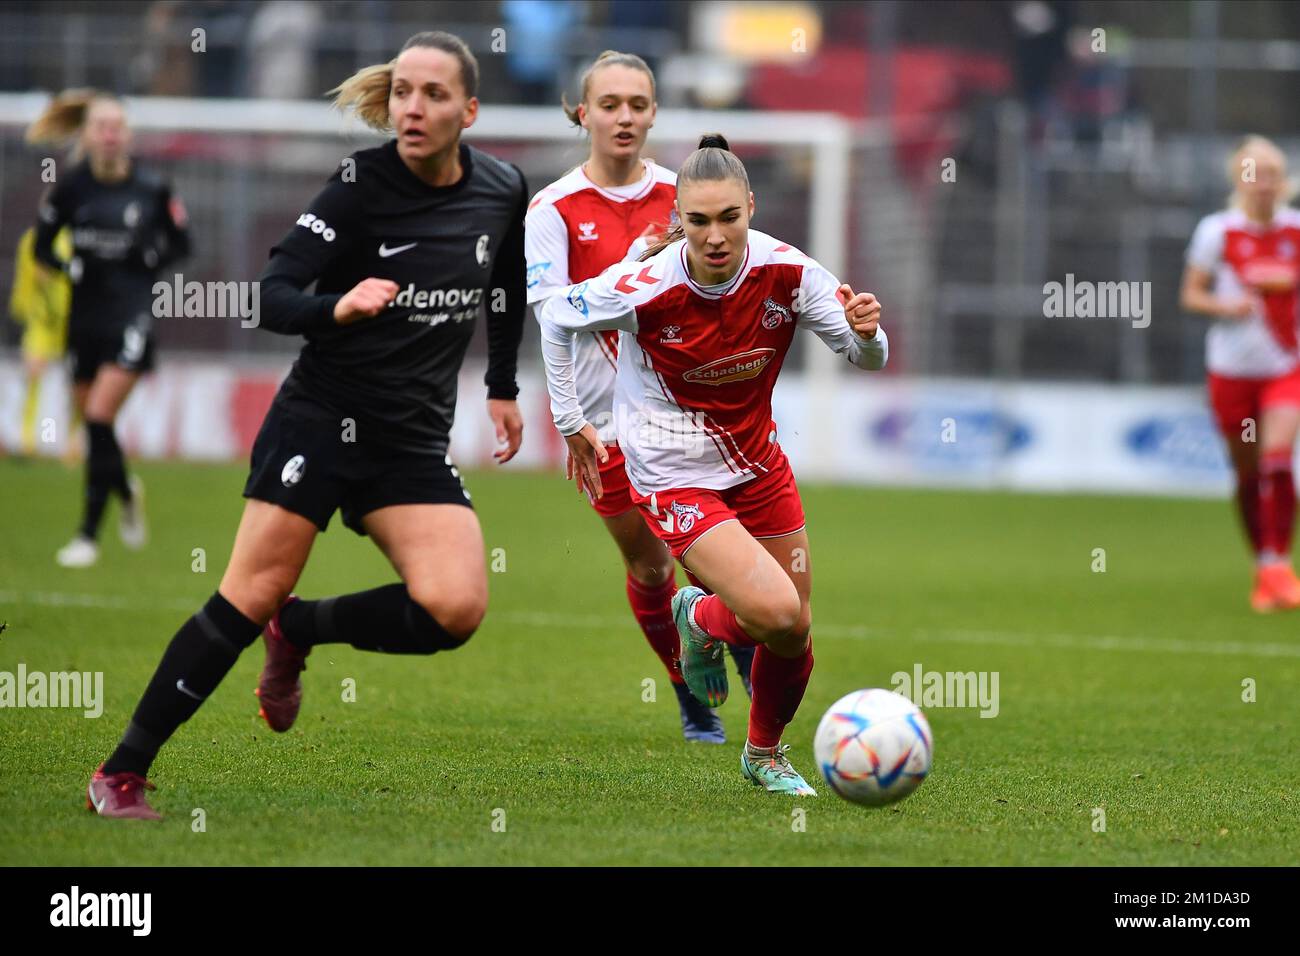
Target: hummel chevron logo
(624,284)
(385,252)
(666,522)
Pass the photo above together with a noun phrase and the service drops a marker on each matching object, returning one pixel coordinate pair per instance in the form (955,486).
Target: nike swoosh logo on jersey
(180,686)
(385,252)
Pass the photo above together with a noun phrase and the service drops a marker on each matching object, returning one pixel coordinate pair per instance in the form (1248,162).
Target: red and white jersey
(574,230)
(1245,257)
(697,364)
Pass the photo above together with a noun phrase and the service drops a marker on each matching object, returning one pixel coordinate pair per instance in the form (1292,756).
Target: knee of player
(458,616)
(462,620)
(785,618)
(259,595)
(778,613)
(651,574)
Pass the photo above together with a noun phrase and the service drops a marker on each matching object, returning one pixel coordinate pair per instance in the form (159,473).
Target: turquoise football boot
(704,665)
(768,767)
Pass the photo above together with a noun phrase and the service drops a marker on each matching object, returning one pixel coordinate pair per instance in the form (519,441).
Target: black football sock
(383,619)
(199,656)
(103,468)
(116,475)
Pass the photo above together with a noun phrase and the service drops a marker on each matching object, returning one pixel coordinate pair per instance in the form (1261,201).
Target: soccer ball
(874,747)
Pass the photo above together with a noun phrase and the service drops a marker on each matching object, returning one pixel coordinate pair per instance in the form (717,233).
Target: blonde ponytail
(365,92)
(64,117)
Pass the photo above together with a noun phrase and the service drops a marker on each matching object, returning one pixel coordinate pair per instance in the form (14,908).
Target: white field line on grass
(587,622)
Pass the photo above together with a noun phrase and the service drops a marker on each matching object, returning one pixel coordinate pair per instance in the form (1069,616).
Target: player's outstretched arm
(847,321)
(861,309)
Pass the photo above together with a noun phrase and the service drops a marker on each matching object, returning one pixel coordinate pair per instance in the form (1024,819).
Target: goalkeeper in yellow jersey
(39,303)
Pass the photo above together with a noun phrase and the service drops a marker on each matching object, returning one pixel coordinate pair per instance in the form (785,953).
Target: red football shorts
(1232,400)
(767,507)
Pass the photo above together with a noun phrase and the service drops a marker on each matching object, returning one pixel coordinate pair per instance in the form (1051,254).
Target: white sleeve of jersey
(586,307)
(639,245)
(821,312)
(1205,251)
(546,250)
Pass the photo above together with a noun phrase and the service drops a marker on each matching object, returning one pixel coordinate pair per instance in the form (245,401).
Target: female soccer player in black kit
(408,243)
(126,226)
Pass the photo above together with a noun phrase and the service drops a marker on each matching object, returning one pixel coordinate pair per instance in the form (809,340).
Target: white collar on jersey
(722,288)
(1254,226)
(637,190)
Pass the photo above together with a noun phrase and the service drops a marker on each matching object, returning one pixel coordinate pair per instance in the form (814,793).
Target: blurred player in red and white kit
(576,227)
(1243,264)
(705,320)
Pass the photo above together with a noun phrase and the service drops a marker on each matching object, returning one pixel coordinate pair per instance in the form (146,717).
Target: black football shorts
(131,349)
(308,467)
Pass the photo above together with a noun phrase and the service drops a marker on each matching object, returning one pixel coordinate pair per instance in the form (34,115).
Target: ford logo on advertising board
(952,437)
(1187,442)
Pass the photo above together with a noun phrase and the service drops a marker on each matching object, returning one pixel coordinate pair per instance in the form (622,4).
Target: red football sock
(779,683)
(652,608)
(1276,503)
(719,621)
(1248,507)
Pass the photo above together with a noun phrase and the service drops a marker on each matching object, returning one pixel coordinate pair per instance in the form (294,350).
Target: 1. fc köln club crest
(774,313)
(686,515)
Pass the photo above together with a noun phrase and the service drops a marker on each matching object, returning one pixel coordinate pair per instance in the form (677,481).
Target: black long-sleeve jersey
(456,252)
(123,235)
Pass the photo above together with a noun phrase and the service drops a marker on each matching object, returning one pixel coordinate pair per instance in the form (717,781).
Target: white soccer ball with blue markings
(874,747)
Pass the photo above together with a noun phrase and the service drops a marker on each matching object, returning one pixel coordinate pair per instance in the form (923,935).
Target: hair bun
(714,141)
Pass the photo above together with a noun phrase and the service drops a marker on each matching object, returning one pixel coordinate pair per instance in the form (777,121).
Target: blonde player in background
(1243,264)
(126,226)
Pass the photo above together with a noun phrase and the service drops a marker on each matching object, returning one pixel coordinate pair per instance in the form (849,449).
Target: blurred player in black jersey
(126,226)
(408,244)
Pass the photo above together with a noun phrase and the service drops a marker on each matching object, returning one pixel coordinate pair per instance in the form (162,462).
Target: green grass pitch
(1119,690)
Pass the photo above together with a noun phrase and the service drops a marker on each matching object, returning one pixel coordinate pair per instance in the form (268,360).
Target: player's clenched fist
(860,309)
(365,300)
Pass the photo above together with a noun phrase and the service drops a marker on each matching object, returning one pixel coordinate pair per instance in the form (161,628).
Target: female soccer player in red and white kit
(705,321)
(577,227)
(1242,270)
